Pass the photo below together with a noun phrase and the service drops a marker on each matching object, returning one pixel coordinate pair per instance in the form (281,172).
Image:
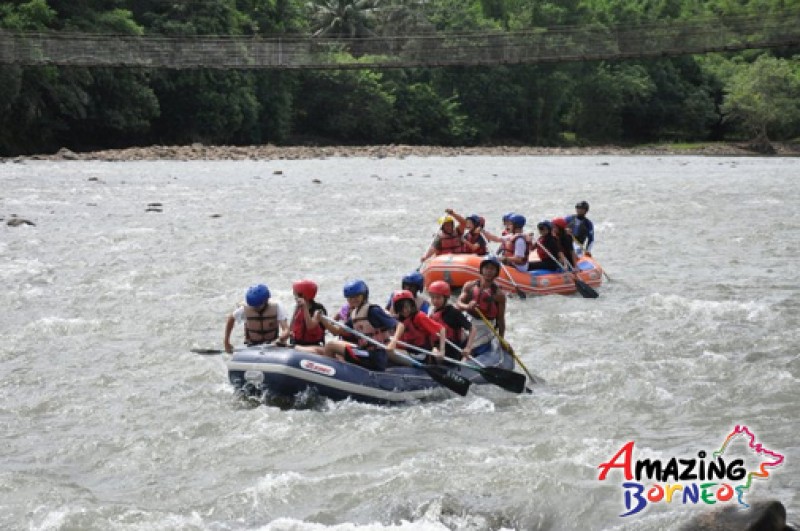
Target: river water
(110,422)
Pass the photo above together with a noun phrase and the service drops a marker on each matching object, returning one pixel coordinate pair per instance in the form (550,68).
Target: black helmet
(490,259)
(584,205)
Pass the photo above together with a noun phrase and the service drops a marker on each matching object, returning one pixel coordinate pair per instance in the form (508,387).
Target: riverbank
(272,152)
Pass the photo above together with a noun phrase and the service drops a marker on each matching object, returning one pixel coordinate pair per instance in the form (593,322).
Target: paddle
(506,346)
(207,351)
(586,291)
(455,382)
(212,351)
(505,378)
(583,248)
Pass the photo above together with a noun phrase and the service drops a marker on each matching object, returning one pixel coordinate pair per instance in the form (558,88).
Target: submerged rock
(16,222)
(767,515)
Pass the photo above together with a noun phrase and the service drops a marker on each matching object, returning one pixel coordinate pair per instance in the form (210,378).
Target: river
(111,423)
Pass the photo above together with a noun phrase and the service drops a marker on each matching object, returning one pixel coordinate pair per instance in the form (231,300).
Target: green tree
(207,106)
(764,97)
(401,17)
(600,97)
(341,18)
(351,106)
(422,116)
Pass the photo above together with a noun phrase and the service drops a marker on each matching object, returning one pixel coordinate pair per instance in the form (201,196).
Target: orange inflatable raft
(458,269)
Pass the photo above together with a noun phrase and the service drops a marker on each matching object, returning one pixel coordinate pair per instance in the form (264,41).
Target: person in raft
(548,249)
(485,295)
(262,319)
(447,240)
(507,228)
(306,331)
(515,245)
(581,227)
(413,282)
(417,329)
(472,242)
(370,320)
(457,328)
(565,243)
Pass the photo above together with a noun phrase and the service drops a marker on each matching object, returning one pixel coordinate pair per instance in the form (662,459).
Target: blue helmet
(507,216)
(356,287)
(475,219)
(545,223)
(518,220)
(490,259)
(414,279)
(257,295)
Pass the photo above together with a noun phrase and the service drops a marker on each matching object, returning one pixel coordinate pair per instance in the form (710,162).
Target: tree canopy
(752,94)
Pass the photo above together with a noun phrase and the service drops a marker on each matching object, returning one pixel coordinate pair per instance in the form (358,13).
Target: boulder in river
(768,515)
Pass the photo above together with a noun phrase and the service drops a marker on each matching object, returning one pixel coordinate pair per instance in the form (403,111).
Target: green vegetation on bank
(751,95)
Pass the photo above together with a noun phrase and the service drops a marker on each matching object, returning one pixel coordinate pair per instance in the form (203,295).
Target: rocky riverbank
(272,152)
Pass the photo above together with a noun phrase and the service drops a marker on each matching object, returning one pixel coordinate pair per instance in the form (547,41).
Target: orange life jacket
(449,243)
(509,245)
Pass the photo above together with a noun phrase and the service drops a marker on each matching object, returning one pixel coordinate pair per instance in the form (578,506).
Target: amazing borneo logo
(700,479)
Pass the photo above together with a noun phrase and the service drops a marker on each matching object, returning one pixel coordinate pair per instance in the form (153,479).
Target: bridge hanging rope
(539,45)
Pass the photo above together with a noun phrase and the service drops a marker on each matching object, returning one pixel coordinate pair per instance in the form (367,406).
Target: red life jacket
(541,245)
(438,316)
(301,334)
(475,238)
(261,327)
(485,297)
(449,243)
(414,333)
(361,323)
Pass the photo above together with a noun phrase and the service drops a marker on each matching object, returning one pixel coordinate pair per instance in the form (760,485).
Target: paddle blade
(508,380)
(207,351)
(455,382)
(586,291)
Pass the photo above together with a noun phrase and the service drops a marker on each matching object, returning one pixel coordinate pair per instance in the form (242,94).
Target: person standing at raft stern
(417,329)
(458,329)
(485,295)
(368,319)
(581,227)
(447,240)
(307,333)
(261,318)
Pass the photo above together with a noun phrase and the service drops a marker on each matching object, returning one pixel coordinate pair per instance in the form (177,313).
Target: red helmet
(561,223)
(402,295)
(439,287)
(306,288)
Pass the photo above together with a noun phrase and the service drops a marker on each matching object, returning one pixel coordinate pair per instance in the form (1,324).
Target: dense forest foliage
(753,94)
